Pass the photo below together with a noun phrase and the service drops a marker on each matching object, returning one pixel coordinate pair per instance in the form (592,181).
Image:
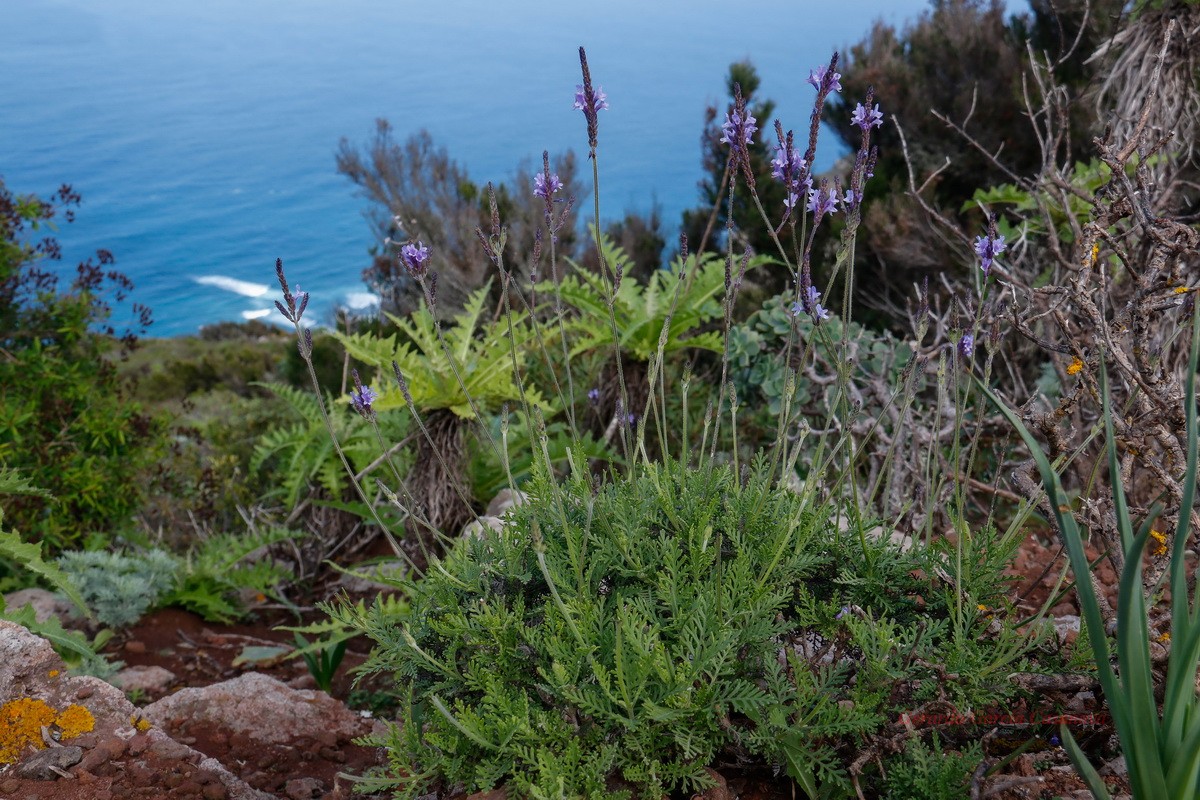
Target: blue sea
(202,134)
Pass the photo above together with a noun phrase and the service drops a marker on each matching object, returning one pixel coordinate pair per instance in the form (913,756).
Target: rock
(29,668)
(1066,628)
(476,527)
(260,707)
(26,661)
(45,604)
(506,499)
(153,681)
(303,789)
(42,765)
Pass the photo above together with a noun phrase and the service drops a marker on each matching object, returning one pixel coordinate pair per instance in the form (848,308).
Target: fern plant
(452,375)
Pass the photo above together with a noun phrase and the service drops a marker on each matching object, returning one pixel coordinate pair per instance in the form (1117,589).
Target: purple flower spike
(824,80)
(415,257)
(867,118)
(738,131)
(361,400)
(966,345)
(542,188)
(987,248)
(811,305)
(581,101)
(821,202)
(787,165)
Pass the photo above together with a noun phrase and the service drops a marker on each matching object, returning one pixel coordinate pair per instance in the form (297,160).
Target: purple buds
(544,187)
(810,304)
(295,303)
(824,79)
(590,100)
(414,257)
(822,201)
(867,118)
(988,247)
(362,397)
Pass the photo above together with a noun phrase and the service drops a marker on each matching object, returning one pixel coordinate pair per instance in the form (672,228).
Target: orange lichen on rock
(21,724)
(22,720)
(74,720)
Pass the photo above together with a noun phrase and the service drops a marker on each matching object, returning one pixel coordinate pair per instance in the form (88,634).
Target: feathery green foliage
(639,632)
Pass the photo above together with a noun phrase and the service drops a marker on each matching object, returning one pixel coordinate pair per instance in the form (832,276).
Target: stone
(259,707)
(45,604)
(1066,628)
(476,527)
(303,789)
(152,681)
(504,500)
(42,765)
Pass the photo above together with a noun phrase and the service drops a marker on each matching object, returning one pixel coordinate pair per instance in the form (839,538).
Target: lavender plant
(624,630)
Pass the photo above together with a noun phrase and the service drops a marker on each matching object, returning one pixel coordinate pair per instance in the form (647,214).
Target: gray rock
(45,604)
(152,681)
(41,765)
(303,788)
(504,500)
(261,707)
(475,528)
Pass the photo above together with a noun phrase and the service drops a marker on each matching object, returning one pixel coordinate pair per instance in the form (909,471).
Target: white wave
(257,313)
(360,300)
(244,288)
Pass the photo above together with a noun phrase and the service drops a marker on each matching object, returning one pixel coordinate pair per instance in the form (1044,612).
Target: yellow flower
(1181,290)
(1075,367)
(981,607)
(1161,538)
(75,720)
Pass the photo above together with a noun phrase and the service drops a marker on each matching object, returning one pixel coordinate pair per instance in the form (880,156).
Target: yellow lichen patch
(1181,290)
(75,720)
(1075,367)
(1163,637)
(140,723)
(53,673)
(1161,538)
(21,724)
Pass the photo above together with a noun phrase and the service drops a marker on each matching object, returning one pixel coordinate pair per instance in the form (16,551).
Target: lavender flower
(787,164)
(867,118)
(594,395)
(789,203)
(295,303)
(852,198)
(544,188)
(590,100)
(845,610)
(362,397)
(825,80)
(811,305)
(966,345)
(988,247)
(415,257)
(738,130)
(822,201)
(581,99)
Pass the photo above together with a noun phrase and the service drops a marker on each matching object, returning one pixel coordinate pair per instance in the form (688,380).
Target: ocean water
(202,135)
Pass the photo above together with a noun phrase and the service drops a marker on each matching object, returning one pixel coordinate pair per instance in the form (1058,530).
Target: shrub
(65,417)
(626,638)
